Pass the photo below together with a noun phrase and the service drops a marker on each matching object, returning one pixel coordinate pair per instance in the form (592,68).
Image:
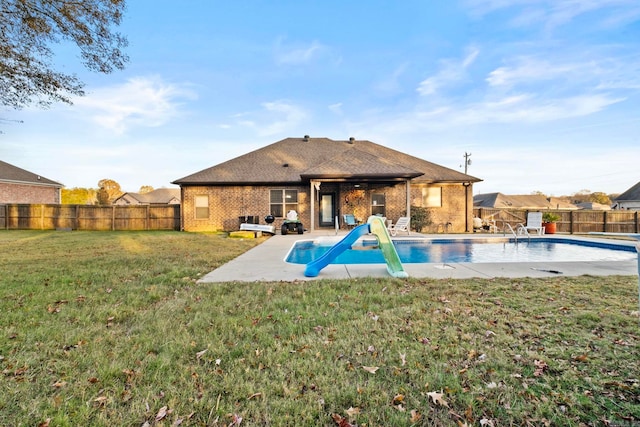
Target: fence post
(570,222)
(113,218)
(604,221)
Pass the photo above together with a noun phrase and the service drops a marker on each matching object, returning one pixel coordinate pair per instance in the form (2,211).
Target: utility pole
(467,161)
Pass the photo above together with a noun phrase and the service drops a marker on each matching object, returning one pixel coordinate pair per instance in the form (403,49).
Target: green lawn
(111,329)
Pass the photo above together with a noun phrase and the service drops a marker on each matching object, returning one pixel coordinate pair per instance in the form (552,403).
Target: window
(431,197)
(202,207)
(282,201)
(377,204)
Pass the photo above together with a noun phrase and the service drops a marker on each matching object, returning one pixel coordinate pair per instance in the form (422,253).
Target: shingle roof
(631,194)
(296,160)
(526,201)
(159,196)
(16,175)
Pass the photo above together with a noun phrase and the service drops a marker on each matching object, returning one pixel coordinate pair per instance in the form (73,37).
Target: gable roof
(527,201)
(631,194)
(159,196)
(297,160)
(15,175)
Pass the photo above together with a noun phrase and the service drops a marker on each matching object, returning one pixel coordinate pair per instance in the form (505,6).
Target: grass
(107,329)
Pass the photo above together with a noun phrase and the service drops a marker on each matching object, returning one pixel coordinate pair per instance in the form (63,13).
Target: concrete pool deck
(265,263)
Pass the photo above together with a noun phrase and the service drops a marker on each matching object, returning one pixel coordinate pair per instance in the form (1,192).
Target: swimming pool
(467,250)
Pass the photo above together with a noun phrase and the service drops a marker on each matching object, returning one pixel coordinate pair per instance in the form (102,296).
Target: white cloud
(141,101)
(336,108)
(275,117)
(298,55)
(555,13)
(450,72)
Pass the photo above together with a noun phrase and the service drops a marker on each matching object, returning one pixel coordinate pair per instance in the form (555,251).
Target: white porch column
(408,197)
(312,201)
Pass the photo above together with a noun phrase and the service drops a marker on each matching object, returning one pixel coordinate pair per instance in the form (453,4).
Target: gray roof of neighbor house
(159,196)
(297,160)
(631,194)
(527,201)
(16,175)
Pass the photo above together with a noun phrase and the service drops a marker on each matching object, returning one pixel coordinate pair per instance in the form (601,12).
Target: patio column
(408,197)
(312,201)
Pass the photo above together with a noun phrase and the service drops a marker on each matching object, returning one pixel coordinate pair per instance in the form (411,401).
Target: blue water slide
(313,268)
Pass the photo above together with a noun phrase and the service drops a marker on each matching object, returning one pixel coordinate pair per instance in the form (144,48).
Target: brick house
(21,186)
(160,196)
(322,179)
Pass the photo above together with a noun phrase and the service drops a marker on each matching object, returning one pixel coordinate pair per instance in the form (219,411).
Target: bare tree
(28,29)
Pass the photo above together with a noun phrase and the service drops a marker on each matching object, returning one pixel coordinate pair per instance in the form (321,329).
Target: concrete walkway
(265,263)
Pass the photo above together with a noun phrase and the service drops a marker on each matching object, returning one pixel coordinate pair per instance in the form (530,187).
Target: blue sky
(544,94)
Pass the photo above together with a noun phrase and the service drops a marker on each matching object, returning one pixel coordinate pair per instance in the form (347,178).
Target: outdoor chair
(401,225)
(534,222)
(349,220)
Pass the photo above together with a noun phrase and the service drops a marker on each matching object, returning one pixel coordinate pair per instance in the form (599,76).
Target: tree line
(108,190)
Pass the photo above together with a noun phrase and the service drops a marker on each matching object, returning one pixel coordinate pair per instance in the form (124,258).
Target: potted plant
(549,222)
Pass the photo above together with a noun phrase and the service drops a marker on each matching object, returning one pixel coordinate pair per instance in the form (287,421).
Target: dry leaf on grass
(341,421)
(371,369)
(437,398)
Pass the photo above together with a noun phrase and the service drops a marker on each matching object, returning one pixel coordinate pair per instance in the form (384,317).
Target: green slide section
(394,266)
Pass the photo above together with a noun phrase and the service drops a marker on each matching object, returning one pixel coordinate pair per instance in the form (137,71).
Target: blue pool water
(454,251)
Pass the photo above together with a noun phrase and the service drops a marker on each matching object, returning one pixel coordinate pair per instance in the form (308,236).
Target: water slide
(374,225)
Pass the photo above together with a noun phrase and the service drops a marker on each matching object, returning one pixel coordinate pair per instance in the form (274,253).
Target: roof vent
(286,165)
(306,138)
(352,140)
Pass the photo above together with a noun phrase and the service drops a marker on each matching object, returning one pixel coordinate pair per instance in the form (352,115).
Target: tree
(79,196)
(108,191)
(145,189)
(600,197)
(28,29)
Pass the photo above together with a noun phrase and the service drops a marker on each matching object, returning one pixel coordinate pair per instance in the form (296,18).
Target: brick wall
(226,204)
(25,193)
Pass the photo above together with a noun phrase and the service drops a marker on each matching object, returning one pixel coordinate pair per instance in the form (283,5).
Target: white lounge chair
(534,222)
(401,225)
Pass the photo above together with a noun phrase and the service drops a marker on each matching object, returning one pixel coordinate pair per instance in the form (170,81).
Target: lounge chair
(350,220)
(534,222)
(401,225)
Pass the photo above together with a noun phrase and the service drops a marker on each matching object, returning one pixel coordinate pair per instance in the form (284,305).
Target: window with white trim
(282,201)
(202,207)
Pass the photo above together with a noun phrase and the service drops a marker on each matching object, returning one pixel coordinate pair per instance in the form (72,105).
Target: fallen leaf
(59,384)
(45,423)
(398,399)
(371,369)
(235,420)
(201,353)
(352,412)
(403,358)
(540,367)
(437,398)
(486,422)
(341,421)
(161,413)
(415,416)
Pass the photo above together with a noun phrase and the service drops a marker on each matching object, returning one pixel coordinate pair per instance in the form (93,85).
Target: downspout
(466,186)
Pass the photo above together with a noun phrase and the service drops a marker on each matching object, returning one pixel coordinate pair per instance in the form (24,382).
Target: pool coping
(265,262)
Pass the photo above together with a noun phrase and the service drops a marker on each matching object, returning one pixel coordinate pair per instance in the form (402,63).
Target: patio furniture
(401,225)
(349,220)
(534,222)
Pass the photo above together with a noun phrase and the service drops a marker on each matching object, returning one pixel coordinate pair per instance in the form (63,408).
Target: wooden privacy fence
(88,217)
(574,221)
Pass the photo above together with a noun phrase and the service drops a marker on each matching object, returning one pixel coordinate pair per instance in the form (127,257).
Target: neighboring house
(593,206)
(529,201)
(630,199)
(21,186)
(323,179)
(161,196)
